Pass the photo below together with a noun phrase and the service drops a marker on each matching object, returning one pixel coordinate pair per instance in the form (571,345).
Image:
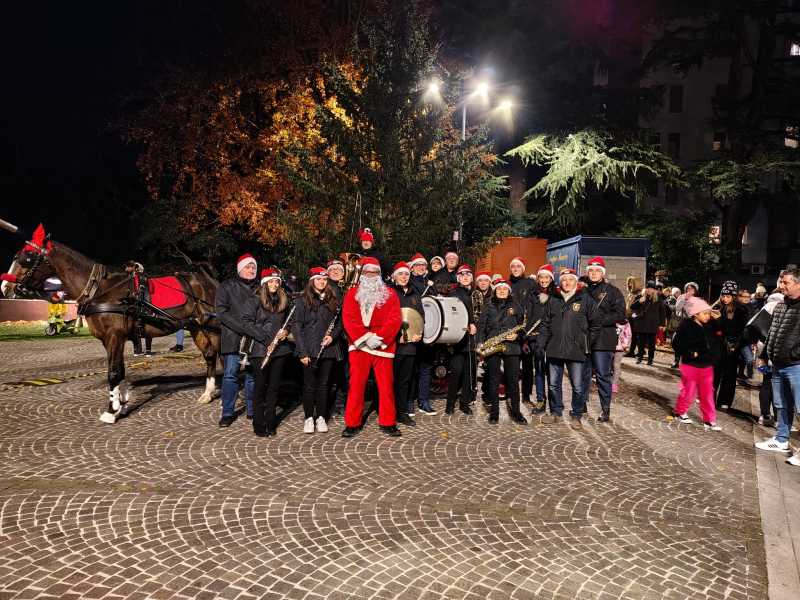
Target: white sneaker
(684,419)
(711,427)
(308,426)
(724,406)
(773,445)
(322,426)
(794,460)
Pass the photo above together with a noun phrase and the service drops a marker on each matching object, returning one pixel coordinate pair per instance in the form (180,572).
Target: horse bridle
(40,258)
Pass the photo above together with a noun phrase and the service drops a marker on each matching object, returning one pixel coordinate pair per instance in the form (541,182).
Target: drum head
(434,319)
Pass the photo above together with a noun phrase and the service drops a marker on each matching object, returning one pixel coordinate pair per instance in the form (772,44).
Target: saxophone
(496,344)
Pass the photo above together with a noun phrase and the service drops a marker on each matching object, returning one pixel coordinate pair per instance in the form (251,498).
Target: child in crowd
(694,345)
(624,336)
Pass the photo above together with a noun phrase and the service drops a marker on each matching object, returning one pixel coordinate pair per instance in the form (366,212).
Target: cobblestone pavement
(165,504)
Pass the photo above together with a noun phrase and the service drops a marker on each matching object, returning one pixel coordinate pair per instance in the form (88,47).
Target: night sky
(70,67)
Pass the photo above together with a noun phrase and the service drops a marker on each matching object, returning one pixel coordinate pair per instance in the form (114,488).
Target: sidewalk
(778,490)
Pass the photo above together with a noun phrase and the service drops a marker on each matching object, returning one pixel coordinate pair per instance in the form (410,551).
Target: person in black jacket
(522,287)
(567,336)
(317,328)
(268,319)
(729,328)
(694,344)
(481,297)
(538,305)
(422,285)
(500,315)
(407,347)
(648,314)
(367,241)
(236,297)
(419,275)
(610,311)
(460,372)
(446,280)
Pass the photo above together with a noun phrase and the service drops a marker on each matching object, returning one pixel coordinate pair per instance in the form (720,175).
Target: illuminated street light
(505,105)
(434,88)
(482,90)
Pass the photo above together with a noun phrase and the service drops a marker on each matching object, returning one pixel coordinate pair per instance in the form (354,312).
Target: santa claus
(371,318)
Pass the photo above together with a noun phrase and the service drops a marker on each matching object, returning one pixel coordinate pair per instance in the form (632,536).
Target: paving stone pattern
(165,504)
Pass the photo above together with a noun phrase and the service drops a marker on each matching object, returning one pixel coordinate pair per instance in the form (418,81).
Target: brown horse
(105,297)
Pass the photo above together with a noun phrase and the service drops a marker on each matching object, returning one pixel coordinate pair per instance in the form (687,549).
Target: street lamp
(482,90)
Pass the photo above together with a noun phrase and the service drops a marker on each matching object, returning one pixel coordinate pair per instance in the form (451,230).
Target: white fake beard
(371,292)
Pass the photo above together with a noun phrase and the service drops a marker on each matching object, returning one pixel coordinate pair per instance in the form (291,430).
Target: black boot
(391,430)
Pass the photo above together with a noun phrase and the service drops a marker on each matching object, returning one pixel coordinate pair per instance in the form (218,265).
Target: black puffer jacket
(695,344)
(499,316)
(610,311)
(409,298)
(236,297)
(783,340)
(570,330)
(267,324)
(309,326)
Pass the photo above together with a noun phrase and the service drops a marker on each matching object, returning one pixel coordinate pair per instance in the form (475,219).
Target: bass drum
(446,320)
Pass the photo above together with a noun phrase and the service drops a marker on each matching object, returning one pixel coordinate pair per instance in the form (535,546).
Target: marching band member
(335,270)
(268,319)
(236,297)
(367,240)
(419,274)
(538,305)
(610,311)
(567,335)
(317,327)
(371,318)
(460,376)
(446,280)
(406,354)
(425,354)
(437,264)
(521,288)
(483,286)
(500,315)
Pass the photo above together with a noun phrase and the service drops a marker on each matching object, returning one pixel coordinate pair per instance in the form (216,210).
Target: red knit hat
(501,281)
(400,267)
(270,273)
(485,274)
(417,259)
(369,261)
(317,272)
(465,268)
(598,263)
(244,260)
(518,259)
(546,270)
(365,235)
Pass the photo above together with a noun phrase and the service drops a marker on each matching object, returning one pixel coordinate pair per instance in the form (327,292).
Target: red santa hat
(517,259)
(465,268)
(546,270)
(496,277)
(270,273)
(335,262)
(439,258)
(417,259)
(401,267)
(567,272)
(244,260)
(449,252)
(368,263)
(317,273)
(365,235)
(500,281)
(483,274)
(597,263)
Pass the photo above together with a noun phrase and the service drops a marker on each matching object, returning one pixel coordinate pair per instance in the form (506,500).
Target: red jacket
(384,321)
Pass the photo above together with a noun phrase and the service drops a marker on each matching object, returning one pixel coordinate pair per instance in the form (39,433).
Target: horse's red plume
(38,239)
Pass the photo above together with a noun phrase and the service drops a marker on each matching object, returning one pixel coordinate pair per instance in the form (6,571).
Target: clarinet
(275,341)
(328,331)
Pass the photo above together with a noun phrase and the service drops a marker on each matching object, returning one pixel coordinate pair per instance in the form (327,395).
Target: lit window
(794,49)
(719,141)
(791,138)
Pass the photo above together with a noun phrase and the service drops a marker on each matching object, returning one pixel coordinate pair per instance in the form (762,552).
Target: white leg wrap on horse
(114,399)
(108,417)
(211,389)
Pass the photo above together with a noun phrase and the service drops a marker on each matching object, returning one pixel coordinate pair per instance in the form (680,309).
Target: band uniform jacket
(570,329)
(499,316)
(409,298)
(310,325)
(235,298)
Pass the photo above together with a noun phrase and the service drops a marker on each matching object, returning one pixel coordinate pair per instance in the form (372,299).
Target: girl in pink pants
(693,343)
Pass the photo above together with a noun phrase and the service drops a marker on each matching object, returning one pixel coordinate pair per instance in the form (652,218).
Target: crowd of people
(525,331)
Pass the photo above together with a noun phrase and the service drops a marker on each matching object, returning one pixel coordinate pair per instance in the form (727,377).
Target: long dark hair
(273,303)
(312,300)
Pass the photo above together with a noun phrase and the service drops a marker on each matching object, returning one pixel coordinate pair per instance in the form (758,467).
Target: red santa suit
(360,325)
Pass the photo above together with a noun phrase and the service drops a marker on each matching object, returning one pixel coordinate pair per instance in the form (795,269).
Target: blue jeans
(602,361)
(230,385)
(786,398)
(574,370)
(179,336)
(747,356)
(540,367)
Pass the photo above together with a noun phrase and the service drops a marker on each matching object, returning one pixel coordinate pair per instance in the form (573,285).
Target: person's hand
(511,337)
(472,329)
(306,360)
(282,334)
(374,342)
(416,338)
(326,341)
(526,349)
